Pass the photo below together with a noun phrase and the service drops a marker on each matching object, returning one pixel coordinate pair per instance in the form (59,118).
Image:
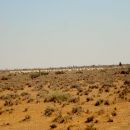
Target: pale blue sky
(47,33)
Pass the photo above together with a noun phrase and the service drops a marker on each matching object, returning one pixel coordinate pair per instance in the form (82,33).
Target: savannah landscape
(74,99)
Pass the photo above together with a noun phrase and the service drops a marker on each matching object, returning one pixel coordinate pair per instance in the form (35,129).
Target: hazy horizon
(64,33)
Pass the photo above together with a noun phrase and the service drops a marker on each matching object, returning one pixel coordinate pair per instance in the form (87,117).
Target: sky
(53,33)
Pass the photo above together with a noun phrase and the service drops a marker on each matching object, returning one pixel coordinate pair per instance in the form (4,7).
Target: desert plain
(78,99)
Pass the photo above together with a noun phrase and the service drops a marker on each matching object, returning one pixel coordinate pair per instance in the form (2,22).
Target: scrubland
(66,100)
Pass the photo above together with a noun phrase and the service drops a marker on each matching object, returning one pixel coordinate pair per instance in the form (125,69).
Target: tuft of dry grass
(48,111)
(57,96)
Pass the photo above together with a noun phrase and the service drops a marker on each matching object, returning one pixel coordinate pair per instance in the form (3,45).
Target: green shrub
(57,96)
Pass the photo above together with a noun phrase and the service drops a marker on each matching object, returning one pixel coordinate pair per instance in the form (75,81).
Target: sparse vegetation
(49,111)
(71,100)
(59,72)
(26,118)
(77,110)
(4,78)
(89,119)
(99,102)
(57,96)
(35,75)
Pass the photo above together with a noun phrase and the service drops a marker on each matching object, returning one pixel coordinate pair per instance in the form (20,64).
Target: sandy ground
(97,99)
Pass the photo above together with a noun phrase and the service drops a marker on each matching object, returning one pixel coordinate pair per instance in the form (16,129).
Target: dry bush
(48,111)
(53,126)
(1,112)
(57,96)
(59,118)
(42,94)
(106,102)
(59,72)
(29,100)
(89,99)
(77,86)
(9,96)
(91,127)
(99,102)
(86,92)
(8,110)
(44,73)
(62,119)
(101,112)
(24,94)
(110,119)
(79,72)
(4,78)
(113,113)
(124,72)
(26,118)
(39,87)
(74,99)
(34,75)
(89,119)
(5,124)
(126,82)
(25,110)
(77,110)
(8,103)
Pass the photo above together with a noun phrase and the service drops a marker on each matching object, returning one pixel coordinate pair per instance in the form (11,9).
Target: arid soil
(66,100)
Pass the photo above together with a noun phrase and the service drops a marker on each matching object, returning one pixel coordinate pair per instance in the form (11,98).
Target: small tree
(120,64)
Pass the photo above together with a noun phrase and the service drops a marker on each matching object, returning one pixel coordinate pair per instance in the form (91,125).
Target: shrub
(25,110)
(77,86)
(110,119)
(9,96)
(91,128)
(59,118)
(44,73)
(59,72)
(34,75)
(126,82)
(74,99)
(26,118)
(106,102)
(89,99)
(8,103)
(62,119)
(57,96)
(89,119)
(4,78)
(77,110)
(113,113)
(98,102)
(53,125)
(5,124)
(124,72)
(24,94)
(48,111)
